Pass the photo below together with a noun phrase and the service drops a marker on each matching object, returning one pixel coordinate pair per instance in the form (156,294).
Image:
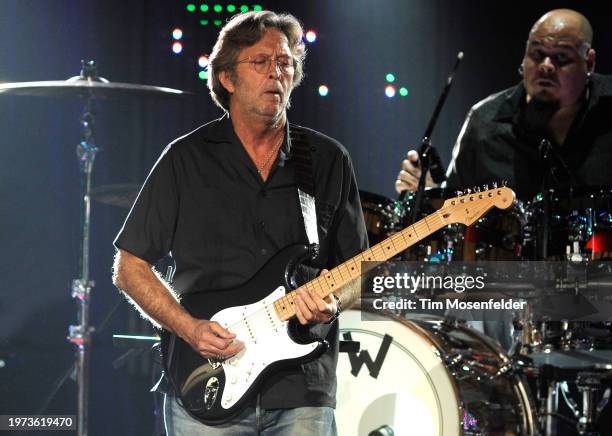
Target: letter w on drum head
(357,361)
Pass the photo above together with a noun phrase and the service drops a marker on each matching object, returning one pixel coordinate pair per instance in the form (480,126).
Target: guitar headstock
(471,205)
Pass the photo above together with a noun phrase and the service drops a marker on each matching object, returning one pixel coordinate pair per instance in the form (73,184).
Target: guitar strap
(301,153)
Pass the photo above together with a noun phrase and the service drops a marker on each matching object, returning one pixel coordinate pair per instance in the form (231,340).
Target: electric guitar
(213,391)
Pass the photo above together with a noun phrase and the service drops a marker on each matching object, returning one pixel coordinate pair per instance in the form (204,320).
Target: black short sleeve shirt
(205,203)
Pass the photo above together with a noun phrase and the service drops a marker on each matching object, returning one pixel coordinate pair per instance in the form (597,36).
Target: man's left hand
(310,308)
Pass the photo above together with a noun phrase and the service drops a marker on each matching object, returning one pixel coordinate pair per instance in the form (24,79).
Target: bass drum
(426,378)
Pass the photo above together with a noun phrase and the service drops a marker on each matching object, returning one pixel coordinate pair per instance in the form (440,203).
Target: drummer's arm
(463,165)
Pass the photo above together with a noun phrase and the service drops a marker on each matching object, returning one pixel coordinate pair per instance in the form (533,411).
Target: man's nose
(547,66)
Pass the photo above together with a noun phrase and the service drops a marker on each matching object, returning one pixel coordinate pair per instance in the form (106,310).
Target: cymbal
(121,195)
(81,87)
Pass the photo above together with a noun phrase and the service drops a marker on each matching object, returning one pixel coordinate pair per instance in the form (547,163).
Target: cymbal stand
(80,334)
(588,384)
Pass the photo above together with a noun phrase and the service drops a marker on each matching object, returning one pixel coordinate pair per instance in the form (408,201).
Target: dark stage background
(358,42)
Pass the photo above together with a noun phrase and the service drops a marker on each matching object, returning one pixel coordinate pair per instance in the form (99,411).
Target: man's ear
(590,60)
(226,80)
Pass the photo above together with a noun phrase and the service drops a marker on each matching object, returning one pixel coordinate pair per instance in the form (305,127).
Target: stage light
(204,22)
(217,22)
(177,33)
(244,8)
(390,77)
(203,61)
(311,36)
(323,90)
(390,91)
(204,7)
(217,8)
(403,91)
(231,8)
(257,8)
(191,7)
(177,47)
(203,75)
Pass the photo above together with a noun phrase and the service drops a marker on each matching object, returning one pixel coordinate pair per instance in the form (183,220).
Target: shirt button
(263,251)
(262,224)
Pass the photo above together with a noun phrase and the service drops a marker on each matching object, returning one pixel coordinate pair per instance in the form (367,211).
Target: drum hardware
(554,386)
(588,384)
(561,336)
(89,87)
(383,430)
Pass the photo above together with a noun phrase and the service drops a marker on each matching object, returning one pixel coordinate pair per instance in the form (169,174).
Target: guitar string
(441,211)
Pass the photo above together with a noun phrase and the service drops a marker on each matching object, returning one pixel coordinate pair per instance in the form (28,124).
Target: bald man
(560,99)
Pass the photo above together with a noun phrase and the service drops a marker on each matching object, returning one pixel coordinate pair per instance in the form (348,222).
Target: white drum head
(397,380)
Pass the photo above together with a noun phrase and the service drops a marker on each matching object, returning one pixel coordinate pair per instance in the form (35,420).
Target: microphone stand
(428,155)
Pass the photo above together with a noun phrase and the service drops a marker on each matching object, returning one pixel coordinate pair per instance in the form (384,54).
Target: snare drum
(426,378)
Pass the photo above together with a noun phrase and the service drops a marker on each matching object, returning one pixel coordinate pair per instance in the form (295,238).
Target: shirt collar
(223,132)
(511,102)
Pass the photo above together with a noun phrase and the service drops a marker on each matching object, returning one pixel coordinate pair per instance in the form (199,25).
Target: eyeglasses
(261,63)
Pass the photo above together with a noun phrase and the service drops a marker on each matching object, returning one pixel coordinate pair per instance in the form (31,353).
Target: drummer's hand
(408,177)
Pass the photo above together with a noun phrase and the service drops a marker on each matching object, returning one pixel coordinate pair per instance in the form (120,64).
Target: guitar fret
(401,242)
(348,271)
(426,223)
(337,271)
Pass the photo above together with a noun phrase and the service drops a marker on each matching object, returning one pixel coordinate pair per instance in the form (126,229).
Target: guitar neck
(352,268)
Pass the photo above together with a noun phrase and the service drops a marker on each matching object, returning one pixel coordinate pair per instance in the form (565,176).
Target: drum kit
(438,375)
(87,87)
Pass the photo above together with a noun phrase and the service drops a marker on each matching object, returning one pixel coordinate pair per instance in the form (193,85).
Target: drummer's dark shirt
(494,146)
(205,202)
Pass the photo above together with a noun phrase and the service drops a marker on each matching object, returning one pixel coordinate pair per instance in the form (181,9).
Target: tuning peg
(494,185)
(477,189)
(486,187)
(468,191)
(504,183)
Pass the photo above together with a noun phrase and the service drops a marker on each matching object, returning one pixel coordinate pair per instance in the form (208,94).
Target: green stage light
(244,8)
(231,8)
(191,7)
(257,8)
(203,75)
(204,7)
(403,91)
(390,78)
(217,8)
(217,22)
(204,22)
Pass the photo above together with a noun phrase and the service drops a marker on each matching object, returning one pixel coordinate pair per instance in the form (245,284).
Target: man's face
(263,78)
(556,64)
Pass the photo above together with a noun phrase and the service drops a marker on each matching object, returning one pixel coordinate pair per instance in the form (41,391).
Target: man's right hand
(213,341)
(408,177)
